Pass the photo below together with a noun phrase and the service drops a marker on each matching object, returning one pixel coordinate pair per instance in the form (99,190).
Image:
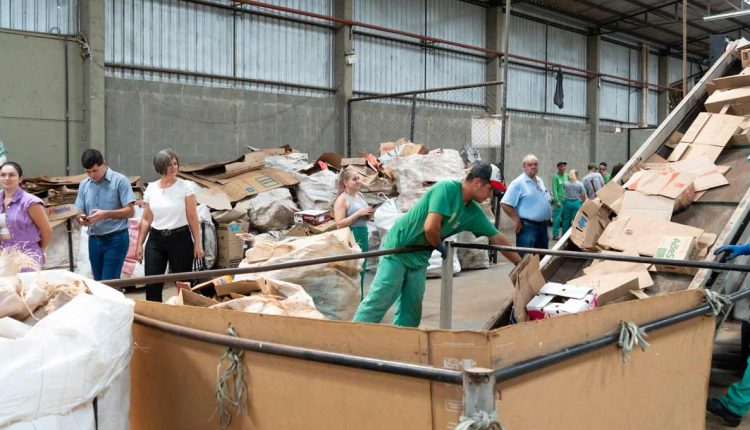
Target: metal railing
(478,383)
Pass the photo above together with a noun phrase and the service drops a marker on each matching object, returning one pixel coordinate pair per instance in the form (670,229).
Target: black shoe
(717,408)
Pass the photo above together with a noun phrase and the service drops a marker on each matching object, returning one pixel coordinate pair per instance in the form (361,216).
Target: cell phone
(85,218)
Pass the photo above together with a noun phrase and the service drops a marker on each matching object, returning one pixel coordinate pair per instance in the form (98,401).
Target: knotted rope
(631,336)
(480,420)
(230,385)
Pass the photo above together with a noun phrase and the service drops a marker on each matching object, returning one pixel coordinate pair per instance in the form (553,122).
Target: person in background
(105,202)
(447,208)
(593,181)
(527,203)
(170,220)
(616,169)
(558,196)
(733,406)
(575,195)
(23,220)
(351,210)
(603,171)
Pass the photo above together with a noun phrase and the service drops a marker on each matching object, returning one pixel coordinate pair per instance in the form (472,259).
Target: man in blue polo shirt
(527,203)
(105,202)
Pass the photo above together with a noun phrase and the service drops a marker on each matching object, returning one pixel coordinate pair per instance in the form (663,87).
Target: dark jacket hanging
(559,95)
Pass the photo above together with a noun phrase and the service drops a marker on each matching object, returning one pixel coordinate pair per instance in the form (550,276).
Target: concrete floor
(478,294)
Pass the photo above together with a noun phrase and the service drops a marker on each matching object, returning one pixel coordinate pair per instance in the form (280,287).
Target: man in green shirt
(447,208)
(558,196)
(603,170)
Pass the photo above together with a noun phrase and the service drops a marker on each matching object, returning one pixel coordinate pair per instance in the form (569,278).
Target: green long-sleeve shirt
(558,190)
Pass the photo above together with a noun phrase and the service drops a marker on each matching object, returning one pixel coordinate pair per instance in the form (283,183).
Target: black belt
(533,222)
(168,232)
(108,235)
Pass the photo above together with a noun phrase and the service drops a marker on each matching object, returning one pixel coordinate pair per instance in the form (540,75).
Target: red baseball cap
(490,173)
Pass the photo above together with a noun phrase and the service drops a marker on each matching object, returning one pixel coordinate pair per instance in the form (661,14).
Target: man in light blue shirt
(527,203)
(105,202)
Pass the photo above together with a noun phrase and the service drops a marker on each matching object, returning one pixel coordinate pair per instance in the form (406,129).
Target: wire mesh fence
(447,117)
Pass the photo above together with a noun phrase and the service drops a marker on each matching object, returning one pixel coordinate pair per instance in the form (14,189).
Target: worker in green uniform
(736,403)
(447,208)
(558,197)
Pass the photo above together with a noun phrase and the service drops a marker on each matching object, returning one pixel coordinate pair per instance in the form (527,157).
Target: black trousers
(175,249)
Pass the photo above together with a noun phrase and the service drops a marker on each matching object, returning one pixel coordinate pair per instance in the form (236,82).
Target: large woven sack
(334,287)
(317,191)
(272,210)
(416,173)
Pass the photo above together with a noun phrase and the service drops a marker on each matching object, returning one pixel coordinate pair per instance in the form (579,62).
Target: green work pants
(394,283)
(556,215)
(362,238)
(737,399)
(569,210)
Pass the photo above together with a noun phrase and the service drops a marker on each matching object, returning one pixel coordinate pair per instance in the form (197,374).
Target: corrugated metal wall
(386,66)
(532,88)
(621,101)
(44,16)
(189,37)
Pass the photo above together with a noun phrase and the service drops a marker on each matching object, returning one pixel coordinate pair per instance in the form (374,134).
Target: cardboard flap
(635,203)
(247,184)
(565,290)
(609,287)
(695,128)
(611,195)
(213,199)
(527,279)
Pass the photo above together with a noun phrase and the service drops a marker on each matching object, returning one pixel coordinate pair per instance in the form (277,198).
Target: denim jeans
(107,254)
(533,235)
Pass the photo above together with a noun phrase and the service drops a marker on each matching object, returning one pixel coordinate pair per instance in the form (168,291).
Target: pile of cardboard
(636,218)
(62,190)
(261,295)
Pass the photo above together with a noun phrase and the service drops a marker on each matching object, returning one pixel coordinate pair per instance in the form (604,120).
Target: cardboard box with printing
(643,235)
(589,223)
(230,247)
(677,248)
(556,299)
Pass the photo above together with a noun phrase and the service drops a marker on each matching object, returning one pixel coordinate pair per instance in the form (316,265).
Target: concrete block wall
(202,123)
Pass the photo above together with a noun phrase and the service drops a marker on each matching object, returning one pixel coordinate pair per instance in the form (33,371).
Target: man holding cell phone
(105,202)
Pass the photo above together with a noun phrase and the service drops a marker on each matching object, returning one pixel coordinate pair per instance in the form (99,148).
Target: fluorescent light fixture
(727,15)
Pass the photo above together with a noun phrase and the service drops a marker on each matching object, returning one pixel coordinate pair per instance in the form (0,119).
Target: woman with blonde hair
(575,195)
(351,210)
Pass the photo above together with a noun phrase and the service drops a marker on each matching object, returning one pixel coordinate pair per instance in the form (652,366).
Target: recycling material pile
(64,341)
(635,218)
(278,193)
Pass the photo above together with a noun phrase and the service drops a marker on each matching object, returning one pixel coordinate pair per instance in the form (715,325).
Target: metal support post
(413,115)
(446,288)
(479,391)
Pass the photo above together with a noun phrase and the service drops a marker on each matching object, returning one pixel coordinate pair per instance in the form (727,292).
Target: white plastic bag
(435,267)
(385,216)
(57,252)
(289,162)
(472,258)
(317,191)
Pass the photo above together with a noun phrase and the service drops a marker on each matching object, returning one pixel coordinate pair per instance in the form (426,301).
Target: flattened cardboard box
(247,184)
(642,234)
(220,171)
(62,212)
(708,135)
(733,96)
(635,203)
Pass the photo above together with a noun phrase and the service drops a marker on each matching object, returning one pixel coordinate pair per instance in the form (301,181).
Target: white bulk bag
(81,351)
